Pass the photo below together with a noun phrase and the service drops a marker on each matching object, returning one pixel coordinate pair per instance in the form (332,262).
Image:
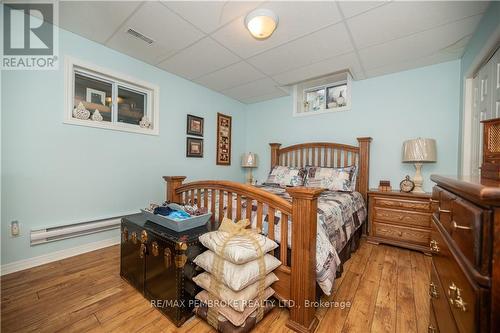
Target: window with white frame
(97,97)
(327,94)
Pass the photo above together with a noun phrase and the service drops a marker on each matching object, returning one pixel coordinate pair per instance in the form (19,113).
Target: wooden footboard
(297,282)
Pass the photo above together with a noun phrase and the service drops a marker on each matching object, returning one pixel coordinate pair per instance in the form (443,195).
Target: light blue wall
(53,173)
(488,25)
(421,102)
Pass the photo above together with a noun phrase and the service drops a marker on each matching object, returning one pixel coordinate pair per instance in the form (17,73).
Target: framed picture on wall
(194,147)
(194,125)
(223,139)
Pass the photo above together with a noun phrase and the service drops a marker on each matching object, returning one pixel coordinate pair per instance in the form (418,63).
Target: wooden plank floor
(386,287)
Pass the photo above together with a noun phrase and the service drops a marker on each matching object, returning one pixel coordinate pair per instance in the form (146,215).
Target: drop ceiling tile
(295,19)
(170,33)
(347,61)
(260,87)
(211,15)
(419,45)
(399,19)
(403,66)
(231,76)
(275,94)
(101,18)
(203,57)
(352,8)
(304,51)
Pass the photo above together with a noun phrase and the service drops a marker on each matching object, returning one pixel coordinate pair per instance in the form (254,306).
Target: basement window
(97,97)
(323,95)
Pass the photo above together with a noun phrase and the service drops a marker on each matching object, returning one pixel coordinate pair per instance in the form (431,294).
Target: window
(98,98)
(328,94)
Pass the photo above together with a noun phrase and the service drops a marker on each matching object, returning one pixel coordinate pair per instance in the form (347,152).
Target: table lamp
(249,160)
(419,151)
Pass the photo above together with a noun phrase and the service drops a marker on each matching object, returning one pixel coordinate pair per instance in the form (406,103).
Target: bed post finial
(303,274)
(173,183)
(364,165)
(275,153)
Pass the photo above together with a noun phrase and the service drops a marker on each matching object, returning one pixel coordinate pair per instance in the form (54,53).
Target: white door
(495,64)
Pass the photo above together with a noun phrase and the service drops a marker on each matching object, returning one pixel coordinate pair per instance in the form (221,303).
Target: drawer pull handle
(133,237)
(434,246)
(144,236)
(433,291)
(456,299)
(155,249)
(431,329)
(459,303)
(445,211)
(455,226)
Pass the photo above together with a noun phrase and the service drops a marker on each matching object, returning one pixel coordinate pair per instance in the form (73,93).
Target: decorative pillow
(334,179)
(237,300)
(286,176)
(236,318)
(239,249)
(234,276)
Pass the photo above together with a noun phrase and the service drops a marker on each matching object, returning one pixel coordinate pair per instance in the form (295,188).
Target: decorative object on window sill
(384,186)
(96,116)
(145,123)
(194,125)
(406,185)
(223,139)
(249,161)
(419,151)
(80,112)
(194,147)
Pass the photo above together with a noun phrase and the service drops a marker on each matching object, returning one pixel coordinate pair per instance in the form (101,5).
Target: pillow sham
(334,179)
(239,249)
(237,300)
(236,318)
(234,276)
(286,176)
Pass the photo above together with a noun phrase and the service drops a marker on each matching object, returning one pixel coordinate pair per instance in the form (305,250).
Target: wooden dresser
(465,246)
(398,218)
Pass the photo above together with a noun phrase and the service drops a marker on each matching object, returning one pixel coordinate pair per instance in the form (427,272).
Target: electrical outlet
(14,228)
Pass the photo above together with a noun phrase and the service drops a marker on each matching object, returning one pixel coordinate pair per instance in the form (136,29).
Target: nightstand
(401,219)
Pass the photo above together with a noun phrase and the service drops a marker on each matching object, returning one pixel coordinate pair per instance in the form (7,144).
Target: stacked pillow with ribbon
(237,278)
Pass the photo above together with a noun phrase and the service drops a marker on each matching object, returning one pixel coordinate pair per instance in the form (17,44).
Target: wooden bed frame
(297,280)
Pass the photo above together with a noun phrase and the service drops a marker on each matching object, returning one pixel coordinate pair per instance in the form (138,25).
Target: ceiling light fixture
(261,23)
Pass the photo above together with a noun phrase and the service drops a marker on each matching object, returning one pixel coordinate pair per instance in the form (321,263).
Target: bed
(295,216)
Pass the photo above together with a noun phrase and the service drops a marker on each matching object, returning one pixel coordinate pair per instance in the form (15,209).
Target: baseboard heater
(53,234)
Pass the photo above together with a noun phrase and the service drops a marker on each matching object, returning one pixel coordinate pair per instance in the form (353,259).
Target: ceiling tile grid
(207,42)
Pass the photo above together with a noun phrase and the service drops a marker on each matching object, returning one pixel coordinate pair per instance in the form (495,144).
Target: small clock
(406,185)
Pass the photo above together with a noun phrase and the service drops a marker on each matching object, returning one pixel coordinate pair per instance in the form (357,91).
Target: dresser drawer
(463,295)
(408,218)
(439,305)
(468,226)
(409,235)
(405,204)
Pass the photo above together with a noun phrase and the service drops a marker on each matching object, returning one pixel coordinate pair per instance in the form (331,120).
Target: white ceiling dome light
(261,23)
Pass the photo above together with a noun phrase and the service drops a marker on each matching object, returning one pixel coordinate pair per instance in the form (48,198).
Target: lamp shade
(249,160)
(419,150)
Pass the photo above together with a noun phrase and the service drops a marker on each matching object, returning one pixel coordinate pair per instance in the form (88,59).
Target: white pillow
(239,249)
(237,300)
(234,276)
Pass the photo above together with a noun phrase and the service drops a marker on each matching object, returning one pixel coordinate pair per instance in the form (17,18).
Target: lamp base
(249,177)
(418,179)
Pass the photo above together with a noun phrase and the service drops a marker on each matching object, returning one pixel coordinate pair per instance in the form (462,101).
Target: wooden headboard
(327,154)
